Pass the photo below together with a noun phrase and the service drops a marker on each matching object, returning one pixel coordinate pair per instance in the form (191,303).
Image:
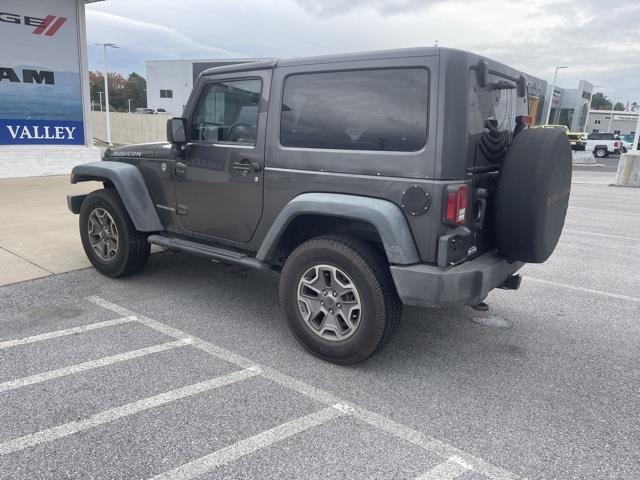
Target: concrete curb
(583,158)
(628,174)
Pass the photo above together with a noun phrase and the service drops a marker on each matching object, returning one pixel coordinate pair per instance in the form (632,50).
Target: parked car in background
(578,140)
(626,142)
(150,111)
(603,144)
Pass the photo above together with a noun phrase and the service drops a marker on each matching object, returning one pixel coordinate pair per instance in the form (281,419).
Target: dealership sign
(626,117)
(40,83)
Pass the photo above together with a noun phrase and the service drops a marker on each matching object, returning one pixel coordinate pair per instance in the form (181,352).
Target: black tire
(600,152)
(532,195)
(369,271)
(133,248)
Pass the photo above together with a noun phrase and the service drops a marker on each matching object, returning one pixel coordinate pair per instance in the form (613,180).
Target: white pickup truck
(603,144)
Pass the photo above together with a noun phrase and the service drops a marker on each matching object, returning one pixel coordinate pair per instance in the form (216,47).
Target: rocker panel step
(208,251)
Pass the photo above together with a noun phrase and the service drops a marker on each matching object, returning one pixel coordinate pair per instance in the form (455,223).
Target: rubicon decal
(48,26)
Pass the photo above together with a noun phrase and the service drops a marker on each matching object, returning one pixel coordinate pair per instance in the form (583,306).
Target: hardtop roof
(447,54)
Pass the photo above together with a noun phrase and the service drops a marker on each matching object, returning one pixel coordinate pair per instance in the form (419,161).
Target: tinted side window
(228,112)
(384,109)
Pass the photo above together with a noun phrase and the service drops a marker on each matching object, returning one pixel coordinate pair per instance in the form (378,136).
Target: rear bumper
(465,284)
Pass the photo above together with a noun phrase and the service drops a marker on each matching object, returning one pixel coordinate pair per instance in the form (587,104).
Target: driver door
(219,179)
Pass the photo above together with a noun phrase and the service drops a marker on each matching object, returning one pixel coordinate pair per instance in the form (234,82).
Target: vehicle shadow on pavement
(237,302)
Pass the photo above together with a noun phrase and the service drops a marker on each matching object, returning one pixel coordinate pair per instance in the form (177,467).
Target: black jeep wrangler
(367,180)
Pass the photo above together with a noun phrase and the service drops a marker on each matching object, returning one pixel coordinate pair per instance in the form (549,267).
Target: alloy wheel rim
(329,302)
(103,234)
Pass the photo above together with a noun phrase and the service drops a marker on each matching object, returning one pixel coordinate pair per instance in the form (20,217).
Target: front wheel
(110,240)
(339,298)
(601,152)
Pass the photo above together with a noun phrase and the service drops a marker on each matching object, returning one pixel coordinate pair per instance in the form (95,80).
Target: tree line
(121,90)
(601,102)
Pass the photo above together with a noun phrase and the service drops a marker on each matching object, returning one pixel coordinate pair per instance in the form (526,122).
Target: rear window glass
(491,118)
(384,109)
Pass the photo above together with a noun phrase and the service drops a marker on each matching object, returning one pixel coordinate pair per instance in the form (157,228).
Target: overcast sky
(599,40)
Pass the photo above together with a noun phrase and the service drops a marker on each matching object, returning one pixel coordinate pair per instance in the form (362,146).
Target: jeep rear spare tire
(532,195)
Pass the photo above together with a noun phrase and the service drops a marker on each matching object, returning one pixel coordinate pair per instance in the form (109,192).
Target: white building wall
(624,122)
(177,75)
(174,75)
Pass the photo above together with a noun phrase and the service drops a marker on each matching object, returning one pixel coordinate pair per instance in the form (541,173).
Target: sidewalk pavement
(38,234)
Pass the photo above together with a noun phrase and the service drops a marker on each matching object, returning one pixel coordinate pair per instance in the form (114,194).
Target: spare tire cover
(532,195)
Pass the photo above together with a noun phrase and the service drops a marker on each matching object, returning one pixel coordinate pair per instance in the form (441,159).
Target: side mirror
(177,130)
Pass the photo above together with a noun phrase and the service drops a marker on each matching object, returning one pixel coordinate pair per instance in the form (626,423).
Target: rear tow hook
(511,283)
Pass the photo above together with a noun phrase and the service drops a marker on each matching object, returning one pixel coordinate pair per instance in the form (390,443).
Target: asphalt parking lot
(188,370)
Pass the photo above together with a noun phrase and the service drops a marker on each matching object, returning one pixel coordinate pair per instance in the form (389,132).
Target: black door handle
(245,166)
(180,168)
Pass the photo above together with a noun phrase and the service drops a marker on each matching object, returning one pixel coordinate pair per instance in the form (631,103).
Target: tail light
(524,120)
(456,205)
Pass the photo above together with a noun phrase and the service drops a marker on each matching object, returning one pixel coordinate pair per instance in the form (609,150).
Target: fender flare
(385,216)
(130,186)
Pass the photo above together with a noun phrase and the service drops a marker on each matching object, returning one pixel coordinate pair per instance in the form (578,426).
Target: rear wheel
(339,298)
(110,240)
(601,152)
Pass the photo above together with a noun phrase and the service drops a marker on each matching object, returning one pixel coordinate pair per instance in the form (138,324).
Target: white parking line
(608,212)
(64,333)
(250,445)
(214,350)
(397,429)
(585,290)
(123,411)
(449,470)
(431,444)
(604,235)
(90,365)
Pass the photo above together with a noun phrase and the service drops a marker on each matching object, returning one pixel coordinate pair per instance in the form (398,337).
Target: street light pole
(553,91)
(106,86)
(100,93)
(613,105)
(586,122)
(129,101)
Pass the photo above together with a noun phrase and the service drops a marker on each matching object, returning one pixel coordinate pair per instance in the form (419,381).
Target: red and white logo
(50,25)
(47,26)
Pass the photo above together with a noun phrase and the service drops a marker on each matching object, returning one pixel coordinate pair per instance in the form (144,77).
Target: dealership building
(569,106)
(621,123)
(45,122)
